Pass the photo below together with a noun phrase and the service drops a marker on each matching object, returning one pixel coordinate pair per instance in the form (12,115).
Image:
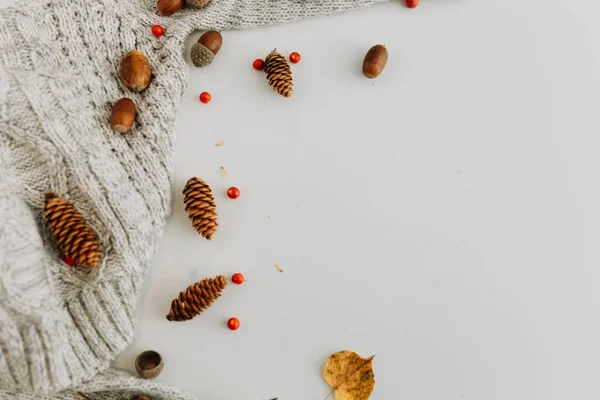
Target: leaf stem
(330,393)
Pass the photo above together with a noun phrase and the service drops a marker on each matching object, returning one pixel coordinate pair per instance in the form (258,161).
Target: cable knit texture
(60,326)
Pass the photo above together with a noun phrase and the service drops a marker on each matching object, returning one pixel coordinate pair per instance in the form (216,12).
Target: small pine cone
(279,74)
(196,3)
(196,298)
(201,55)
(75,239)
(200,206)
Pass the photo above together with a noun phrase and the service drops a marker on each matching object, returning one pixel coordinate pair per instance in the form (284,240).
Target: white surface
(444,217)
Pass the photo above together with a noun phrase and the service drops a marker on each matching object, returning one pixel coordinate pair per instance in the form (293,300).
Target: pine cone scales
(200,206)
(74,238)
(279,74)
(196,298)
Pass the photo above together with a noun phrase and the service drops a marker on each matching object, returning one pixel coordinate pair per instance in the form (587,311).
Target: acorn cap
(201,55)
(149,364)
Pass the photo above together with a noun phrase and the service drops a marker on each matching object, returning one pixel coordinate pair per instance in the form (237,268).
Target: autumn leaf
(350,376)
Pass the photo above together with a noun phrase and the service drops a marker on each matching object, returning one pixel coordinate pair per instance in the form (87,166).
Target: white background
(443,217)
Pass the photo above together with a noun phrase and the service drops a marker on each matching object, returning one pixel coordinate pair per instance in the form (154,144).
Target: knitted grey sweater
(60,326)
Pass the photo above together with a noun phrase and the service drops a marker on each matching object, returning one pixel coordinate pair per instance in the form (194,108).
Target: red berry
(237,278)
(258,64)
(205,97)
(69,261)
(233,192)
(412,3)
(295,57)
(233,324)
(158,30)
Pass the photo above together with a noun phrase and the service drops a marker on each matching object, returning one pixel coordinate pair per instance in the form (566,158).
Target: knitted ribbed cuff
(95,326)
(111,384)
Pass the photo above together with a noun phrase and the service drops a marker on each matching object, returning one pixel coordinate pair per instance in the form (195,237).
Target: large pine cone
(201,207)
(75,239)
(279,74)
(196,298)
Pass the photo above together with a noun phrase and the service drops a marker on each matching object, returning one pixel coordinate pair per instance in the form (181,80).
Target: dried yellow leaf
(224,173)
(220,144)
(278,268)
(350,375)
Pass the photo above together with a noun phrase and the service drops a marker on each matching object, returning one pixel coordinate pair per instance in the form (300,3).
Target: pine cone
(201,207)
(279,74)
(196,298)
(75,239)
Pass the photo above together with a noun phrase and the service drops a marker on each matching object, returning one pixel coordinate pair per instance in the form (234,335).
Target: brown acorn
(204,52)
(168,7)
(122,116)
(135,71)
(375,61)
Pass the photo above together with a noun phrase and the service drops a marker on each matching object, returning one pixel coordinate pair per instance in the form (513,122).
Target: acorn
(168,7)
(135,71)
(196,3)
(122,116)
(204,52)
(149,364)
(375,61)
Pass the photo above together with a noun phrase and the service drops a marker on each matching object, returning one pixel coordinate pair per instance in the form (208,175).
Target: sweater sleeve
(245,14)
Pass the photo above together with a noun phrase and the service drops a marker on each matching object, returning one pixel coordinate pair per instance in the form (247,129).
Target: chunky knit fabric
(60,326)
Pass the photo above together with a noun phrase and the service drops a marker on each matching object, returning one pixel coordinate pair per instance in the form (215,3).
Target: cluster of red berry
(234,323)
(258,65)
